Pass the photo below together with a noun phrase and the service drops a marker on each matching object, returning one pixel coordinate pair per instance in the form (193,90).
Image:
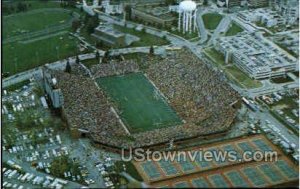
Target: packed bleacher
(197,93)
(115,67)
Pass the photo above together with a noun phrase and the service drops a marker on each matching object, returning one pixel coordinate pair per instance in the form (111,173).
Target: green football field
(140,105)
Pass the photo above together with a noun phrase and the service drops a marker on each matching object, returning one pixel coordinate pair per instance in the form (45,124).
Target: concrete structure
(112,8)
(49,84)
(187,16)
(159,16)
(228,3)
(258,3)
(256,56)
(109,36)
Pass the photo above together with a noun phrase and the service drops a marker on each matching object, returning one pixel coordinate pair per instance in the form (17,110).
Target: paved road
(201,26)
(222,28)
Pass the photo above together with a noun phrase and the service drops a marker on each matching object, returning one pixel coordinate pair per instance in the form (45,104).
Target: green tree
(128,12)
(170,2)
(75,25)
(97,55)
(77,59)
(105,58)
(92,23)
(68,67)
(151,50)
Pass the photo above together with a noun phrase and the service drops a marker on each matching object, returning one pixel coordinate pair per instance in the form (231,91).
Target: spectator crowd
(198,94)
(115,67)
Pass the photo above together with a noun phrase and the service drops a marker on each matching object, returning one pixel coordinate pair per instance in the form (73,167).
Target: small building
(112,8)
(109,36)
(228,3)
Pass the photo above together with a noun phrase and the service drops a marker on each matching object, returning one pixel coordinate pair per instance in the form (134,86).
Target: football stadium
(175,99)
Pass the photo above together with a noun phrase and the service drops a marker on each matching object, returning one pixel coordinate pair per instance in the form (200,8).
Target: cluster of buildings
(256,56)
(250,3)
(289,9)
(264,16)
(288,40)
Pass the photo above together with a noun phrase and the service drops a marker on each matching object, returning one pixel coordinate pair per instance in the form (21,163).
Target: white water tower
(187,16)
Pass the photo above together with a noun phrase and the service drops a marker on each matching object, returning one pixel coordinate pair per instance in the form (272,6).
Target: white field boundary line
(116,114)
(43,37)
(120,121)
(165,99)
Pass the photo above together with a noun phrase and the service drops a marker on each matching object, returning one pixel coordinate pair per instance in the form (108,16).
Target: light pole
(57,49)
(37,56)
(16,59)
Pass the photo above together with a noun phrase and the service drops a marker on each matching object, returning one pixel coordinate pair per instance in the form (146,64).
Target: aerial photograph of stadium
(149,94)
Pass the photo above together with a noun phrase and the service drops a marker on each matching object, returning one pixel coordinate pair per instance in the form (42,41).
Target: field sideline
(140,105)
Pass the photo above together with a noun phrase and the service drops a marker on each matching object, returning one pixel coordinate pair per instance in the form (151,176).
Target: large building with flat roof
(159,16)
(256,56)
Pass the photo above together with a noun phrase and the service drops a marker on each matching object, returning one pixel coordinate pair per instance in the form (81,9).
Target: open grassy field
(218,58)
(31,51)
(18,57)
(31,5)
(186,35)
(234,29)
(140,105)
(242,78)
(29,22)
(211,20)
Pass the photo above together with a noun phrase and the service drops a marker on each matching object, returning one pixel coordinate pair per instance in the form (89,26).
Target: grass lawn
(186,35)
(233,72)
(28,22)
(140,105)
(234,29)
(32,4)
(211,20)
(145,38)
(90,62)
(242,78)
(130,169)
(18,57)
(218,57)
